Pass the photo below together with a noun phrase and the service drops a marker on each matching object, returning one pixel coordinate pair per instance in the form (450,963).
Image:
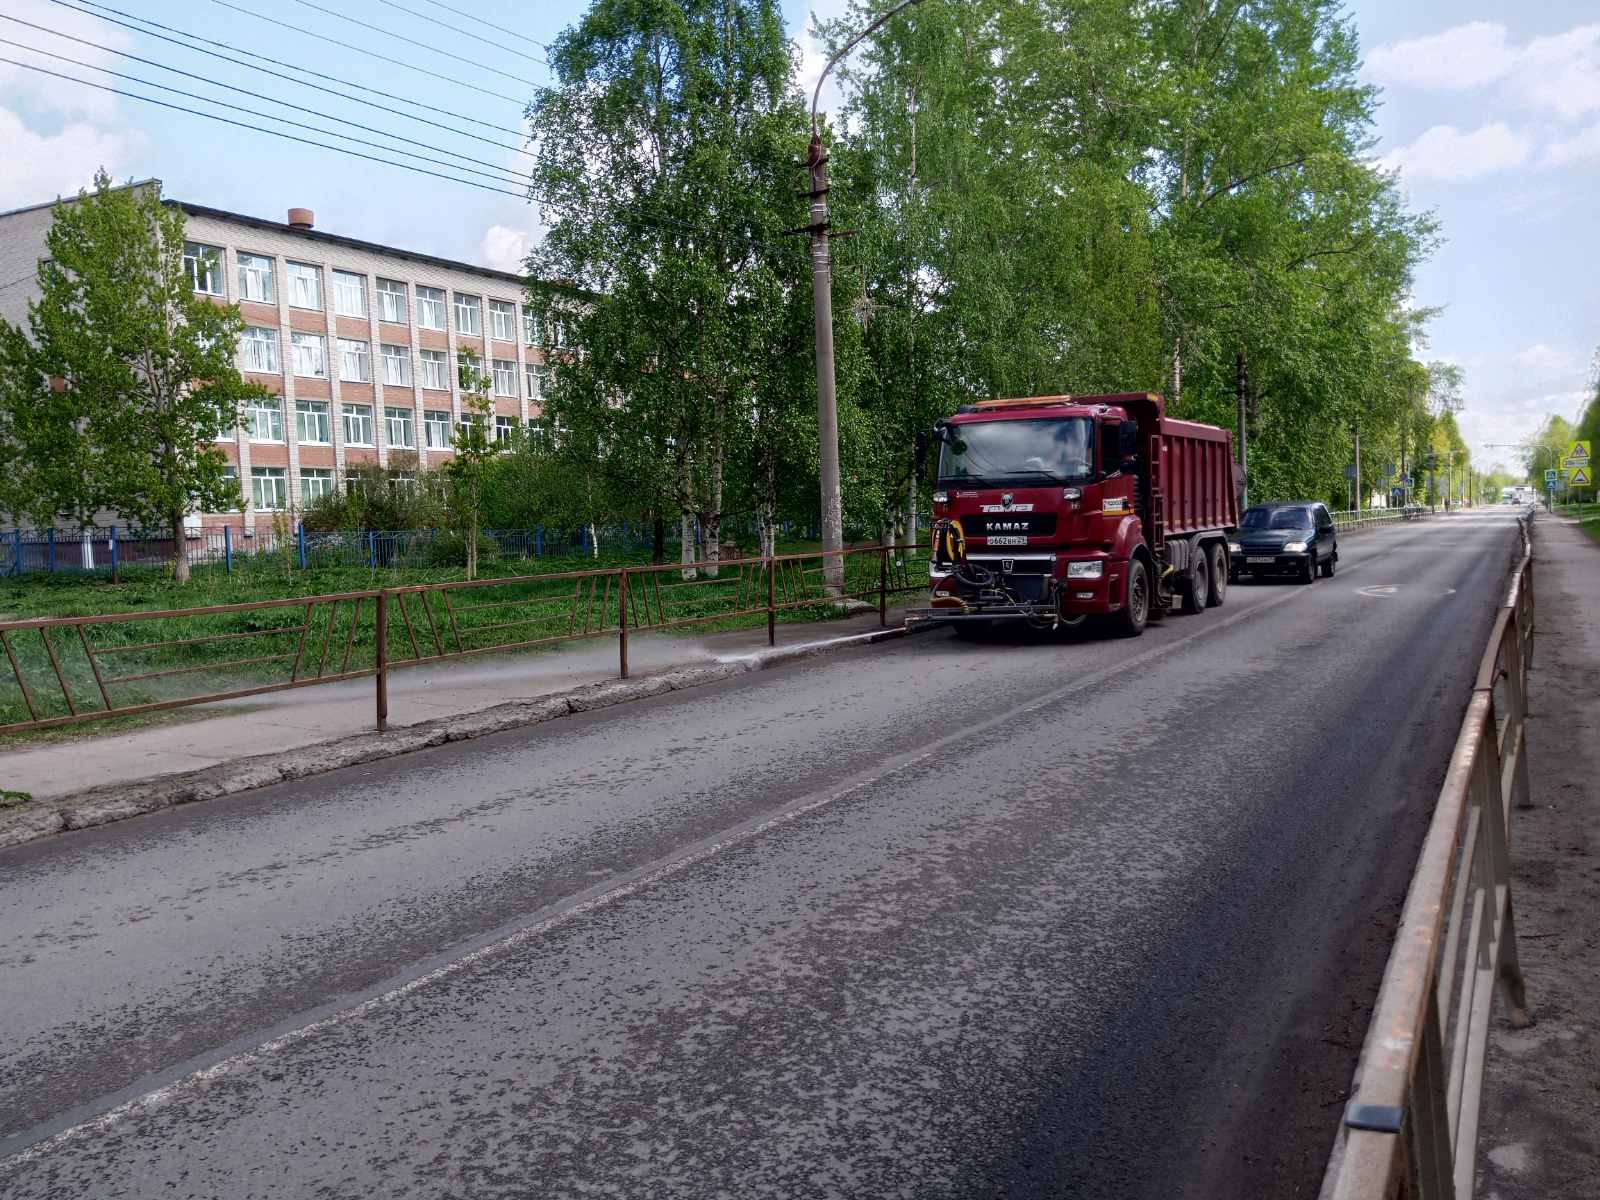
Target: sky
(1490,115)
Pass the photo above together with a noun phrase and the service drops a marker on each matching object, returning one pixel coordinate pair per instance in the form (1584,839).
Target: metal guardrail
(69,670)
(1411,1126)
(1346,518)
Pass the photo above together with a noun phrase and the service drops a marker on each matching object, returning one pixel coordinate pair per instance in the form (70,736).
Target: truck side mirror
(1128,439)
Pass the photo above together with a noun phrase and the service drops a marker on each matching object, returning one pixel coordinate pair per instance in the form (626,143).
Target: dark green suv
(1297,539)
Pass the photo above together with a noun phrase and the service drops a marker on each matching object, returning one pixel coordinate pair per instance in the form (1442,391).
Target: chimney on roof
(302,218)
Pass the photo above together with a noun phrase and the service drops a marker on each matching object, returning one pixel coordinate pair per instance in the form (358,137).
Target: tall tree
(115,396)
(668,145)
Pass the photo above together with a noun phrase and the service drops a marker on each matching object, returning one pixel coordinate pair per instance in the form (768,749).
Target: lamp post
(822,315)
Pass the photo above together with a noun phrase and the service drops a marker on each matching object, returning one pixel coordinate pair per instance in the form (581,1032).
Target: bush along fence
(107,549)
(67,670)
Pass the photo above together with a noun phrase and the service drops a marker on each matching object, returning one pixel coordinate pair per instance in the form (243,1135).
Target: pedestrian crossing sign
(1579,478)
(1577,456)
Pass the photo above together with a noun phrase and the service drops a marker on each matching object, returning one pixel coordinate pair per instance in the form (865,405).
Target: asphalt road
(930,919)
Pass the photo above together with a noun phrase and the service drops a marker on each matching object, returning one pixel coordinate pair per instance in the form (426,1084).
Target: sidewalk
(208,735)
(1540,1135)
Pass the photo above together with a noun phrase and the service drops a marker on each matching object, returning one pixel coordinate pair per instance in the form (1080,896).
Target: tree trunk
(686,524)
(180,547)
(594,540)
(1177,373)
(658,539)
(910,531)
(713,518)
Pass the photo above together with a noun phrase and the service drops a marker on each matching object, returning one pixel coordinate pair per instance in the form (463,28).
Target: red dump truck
(1053,509)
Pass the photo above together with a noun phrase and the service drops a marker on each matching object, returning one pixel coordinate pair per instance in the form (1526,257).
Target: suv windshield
(1276,518)
(1052,450)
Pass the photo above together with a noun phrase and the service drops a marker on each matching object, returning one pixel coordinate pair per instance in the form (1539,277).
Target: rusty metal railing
(70,670)
(1411,1126)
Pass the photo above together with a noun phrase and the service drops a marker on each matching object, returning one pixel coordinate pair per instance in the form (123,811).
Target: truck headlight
(1235,548)
(1294,547)
(1085,570)
(941,497)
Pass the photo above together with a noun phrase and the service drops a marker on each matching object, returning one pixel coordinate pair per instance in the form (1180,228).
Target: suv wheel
(1308,573)
(1331,565)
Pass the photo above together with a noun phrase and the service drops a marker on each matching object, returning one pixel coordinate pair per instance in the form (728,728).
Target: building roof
(338,239)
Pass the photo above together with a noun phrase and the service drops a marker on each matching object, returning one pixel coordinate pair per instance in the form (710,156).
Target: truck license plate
(1256,558)
(1007,541)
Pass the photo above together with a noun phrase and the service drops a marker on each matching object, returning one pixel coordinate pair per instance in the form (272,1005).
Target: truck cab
(1051,509)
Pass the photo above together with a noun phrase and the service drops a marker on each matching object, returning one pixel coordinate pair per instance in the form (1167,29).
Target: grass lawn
(140,661)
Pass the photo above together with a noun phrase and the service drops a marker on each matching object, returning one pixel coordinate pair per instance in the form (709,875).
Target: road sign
(1581,478)
(1577,455)
(1550,477)
(1350,471)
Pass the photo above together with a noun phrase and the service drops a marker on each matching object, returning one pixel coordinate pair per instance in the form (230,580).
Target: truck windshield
(1052,450)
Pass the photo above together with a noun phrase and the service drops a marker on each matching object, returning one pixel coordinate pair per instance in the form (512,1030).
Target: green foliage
(115,396)
(382,498)
(475,448)
(449,549)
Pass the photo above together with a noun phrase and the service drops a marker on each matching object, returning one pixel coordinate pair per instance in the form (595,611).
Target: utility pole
(1241,389)
(822,313)
(1357,480)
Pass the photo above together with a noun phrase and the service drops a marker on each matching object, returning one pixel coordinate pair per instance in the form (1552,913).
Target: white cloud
(504,248)
(1444,152)
(41,167)
(1581,147)
(1544,359)
(1467,56)
(45,93)
(1559,74)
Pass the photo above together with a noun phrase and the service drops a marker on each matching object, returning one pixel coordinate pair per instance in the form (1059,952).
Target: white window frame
(322,476)
(321,422)
(435,370)
(280,493)
(503,320)
(436,428)
(503,425)
(402,356)
(391,301)
(398,422)
(355,360)
(430,306)
(530,332)
(231,471)
(348,284)
(466,361)
(268,411)
(357,418)
(258,350)
(469,314)
(298,273)
(260,268)
(316,343)
(505,377)
(203,263)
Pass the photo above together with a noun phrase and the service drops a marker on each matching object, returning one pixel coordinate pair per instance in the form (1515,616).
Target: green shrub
(449,549)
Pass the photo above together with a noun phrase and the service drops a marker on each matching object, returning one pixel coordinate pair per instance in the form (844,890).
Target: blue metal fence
(106,549)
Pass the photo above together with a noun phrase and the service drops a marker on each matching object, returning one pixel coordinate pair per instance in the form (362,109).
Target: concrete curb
(119,801)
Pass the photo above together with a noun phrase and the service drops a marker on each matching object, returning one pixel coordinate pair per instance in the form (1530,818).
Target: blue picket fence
(106,549)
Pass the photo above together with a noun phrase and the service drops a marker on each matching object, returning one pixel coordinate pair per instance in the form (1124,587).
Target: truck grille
(1002,524)
(1018,564)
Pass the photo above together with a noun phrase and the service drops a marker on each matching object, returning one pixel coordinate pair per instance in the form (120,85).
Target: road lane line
(646,877)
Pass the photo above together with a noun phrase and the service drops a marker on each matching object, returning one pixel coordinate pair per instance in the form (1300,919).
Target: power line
(460,32)
(570,206)
(277,62)
(499,175)
(322,37)
(432,49)
(261,129)
(461,12)
(234,88)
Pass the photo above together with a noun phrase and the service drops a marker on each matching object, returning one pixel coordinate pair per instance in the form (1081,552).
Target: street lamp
(822,314)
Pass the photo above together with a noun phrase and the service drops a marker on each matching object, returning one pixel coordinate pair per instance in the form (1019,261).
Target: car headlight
(1235,548)
(1085,570)
(1294,547)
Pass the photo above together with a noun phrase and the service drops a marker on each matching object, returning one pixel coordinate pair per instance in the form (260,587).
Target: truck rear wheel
(1135,612)
(1197,588)
(1219,574)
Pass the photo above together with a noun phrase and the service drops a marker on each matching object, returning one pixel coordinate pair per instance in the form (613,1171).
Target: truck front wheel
(1135,612)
